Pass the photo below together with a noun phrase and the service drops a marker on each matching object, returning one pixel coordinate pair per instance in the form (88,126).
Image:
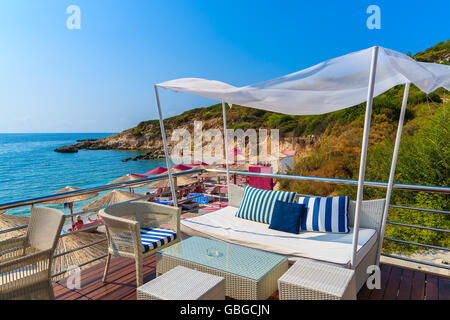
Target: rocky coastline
(153,148)
(125,140)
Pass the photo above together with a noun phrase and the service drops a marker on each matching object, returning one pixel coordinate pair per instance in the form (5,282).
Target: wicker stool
(182,283)
(313,280)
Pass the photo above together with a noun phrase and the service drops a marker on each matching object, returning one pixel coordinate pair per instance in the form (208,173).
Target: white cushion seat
(330,247)
(152,238)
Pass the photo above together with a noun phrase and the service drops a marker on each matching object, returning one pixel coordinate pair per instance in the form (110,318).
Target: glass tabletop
(242,261)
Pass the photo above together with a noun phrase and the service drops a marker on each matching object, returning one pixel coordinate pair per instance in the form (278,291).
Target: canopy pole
(166,151)
(365,143)
(393,166)
(224,112)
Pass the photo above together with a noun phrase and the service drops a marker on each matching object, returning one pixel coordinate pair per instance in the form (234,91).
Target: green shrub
(243,126)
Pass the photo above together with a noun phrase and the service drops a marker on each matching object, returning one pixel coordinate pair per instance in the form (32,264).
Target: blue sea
(30,168)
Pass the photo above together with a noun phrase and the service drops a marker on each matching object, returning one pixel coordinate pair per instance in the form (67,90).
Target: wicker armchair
(26,262)
(132,231)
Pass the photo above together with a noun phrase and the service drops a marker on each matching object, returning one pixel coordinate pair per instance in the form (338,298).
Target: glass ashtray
(213,252)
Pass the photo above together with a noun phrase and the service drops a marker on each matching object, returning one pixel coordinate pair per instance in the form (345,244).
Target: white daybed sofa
(332,248)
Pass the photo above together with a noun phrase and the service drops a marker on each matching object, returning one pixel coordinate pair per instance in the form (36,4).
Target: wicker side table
(313,280)
(182,283)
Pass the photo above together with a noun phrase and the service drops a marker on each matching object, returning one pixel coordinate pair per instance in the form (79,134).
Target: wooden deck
(396,283)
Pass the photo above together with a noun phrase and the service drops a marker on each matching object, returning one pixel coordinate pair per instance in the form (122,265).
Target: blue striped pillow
(257,205)
(325,214)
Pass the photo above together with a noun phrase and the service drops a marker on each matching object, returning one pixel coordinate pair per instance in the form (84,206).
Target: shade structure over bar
(328,86)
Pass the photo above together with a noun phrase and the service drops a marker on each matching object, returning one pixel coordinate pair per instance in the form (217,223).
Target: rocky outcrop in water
(67,149)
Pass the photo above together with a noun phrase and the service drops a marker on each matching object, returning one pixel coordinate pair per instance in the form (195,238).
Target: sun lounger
(332,248)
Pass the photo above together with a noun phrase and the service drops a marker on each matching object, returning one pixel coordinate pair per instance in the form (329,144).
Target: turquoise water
(30,168)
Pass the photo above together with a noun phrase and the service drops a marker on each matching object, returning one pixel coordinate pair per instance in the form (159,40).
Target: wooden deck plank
(418,286)
(364,293)
(95,274)
(404,290)
(95,288)
(377,294)
(393,284)
(444,288)
(431,287)
(120,282)
(127,284)
(63,293)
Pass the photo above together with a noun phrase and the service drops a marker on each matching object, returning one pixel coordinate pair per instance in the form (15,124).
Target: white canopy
(329,86)
(332,85)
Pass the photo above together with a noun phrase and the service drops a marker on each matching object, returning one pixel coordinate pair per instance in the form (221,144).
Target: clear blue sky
(100,78)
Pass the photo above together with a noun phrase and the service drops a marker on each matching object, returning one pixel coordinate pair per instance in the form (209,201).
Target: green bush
(424,159)
(137,132)
(258,113)
(243,126)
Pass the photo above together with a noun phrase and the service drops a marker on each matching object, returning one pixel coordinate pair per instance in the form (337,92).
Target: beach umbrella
(198,163)
(71,199)
(180,181)
(111,198)
(181,167)
(158,170)
(131,177)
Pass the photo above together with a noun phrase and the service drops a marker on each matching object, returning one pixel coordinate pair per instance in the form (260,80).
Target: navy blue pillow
(287,216)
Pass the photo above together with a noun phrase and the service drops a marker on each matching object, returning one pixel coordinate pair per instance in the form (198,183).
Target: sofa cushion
(257,204)
(331,247)
(286,216)
(152,238)
(325,214)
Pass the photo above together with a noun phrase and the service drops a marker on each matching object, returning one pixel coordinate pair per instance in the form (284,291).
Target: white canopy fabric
(332,85)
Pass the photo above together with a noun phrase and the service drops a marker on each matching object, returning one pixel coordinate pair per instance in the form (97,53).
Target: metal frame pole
(166,151)
(393,166)
(365,143)
(224,112)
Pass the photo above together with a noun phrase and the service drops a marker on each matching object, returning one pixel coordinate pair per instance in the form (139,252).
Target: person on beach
(79,224)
